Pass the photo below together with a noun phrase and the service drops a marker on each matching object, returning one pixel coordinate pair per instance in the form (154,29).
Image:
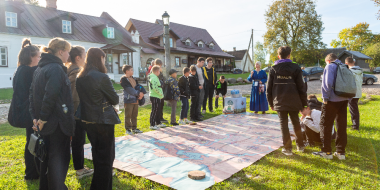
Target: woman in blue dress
(258,100)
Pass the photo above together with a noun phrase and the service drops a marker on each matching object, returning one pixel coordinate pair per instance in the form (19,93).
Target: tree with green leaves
(260,53)
(377,3)
(294,23)
(373,51)
(356,38)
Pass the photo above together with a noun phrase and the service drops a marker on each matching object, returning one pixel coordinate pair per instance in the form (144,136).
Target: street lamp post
(165,18)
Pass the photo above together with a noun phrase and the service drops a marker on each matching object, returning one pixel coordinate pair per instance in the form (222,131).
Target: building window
(3,57)
(177,62)
(171,42)
(149,62)
(200,44)
(126,59)
(110,32)
(66,26)
(11,19)
(211,46)
(188,43)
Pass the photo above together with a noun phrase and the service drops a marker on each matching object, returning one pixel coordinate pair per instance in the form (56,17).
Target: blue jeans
(185,107)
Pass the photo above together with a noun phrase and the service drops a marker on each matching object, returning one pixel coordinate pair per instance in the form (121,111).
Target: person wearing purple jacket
(334,107)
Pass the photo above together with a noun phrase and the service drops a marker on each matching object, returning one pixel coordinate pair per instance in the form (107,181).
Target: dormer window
(11,19)
(110,33)
(66,27)
(211,46)
(188,43)
(200,44)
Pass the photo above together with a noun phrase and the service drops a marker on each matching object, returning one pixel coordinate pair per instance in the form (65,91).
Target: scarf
(282,61)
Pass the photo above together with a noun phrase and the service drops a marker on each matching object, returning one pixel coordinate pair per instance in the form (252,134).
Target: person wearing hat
(172,83)
(184,88)
(258,101)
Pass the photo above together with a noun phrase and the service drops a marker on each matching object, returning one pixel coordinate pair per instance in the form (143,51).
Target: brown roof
(44,22)
(148,31)
(239,54)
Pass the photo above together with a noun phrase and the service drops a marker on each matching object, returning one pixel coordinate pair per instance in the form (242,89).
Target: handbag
(37,146)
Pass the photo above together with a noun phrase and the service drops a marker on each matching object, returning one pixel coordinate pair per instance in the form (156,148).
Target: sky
(229,22)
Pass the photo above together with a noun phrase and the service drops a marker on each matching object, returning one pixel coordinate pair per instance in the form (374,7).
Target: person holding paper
(258,100)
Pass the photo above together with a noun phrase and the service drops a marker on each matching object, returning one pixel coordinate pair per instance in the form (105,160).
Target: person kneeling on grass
(184,88)
(156,94)
(220,88)
(131,100)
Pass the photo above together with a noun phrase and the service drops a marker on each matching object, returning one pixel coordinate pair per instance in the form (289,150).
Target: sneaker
(340,156)
(212,111)
(203,111)
(300,149)
(129,132)
(326,155)
(137,131)
(84,172)
(287,152)
(187,121)
(175,124)
(161,125)
(182,122)
(198,119)
(163,120)
(154,127)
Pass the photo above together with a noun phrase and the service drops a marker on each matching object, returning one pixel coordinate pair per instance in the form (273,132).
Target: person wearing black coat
(97,97)
(52,108)
(184,88)
(195,92)
(19,115)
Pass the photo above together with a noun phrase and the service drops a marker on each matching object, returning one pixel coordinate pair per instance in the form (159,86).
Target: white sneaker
(182,122)
(154,127)
(340,156)
(204,111)
(161,125)
(187,121)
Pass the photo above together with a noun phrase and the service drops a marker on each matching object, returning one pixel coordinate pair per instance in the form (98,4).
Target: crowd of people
(64,92)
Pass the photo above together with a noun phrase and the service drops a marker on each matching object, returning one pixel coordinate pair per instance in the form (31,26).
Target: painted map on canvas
(220,146)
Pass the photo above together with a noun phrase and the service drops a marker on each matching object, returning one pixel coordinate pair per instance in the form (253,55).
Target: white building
(40,24)
(241,57)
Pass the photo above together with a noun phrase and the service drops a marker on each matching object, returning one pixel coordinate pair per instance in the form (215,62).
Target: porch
(115,66)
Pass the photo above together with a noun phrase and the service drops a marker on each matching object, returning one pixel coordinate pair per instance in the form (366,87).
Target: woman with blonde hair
(52,111)
(19,115)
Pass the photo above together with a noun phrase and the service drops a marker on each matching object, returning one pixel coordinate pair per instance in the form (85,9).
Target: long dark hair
(93,61)
(27,52)
(74,53)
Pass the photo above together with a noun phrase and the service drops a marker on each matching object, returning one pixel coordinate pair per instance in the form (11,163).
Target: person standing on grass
(195,90)
(200,76)
(220,88)
(131,100)
(74,65)
(210,79)
(19,115)
(97,97)
(304,74)
(172,84)
(258,101)
(287,96)
(156,94)
(353,103)
(184,88)
(52,111)
(334,108)
(162,79)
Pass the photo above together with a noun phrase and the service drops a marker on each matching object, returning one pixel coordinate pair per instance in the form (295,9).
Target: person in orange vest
(210,78)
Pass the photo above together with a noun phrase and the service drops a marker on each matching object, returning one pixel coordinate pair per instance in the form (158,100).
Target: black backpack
(168,95)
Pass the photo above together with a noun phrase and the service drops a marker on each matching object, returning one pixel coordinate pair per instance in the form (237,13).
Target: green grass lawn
(6,94)
(274,171)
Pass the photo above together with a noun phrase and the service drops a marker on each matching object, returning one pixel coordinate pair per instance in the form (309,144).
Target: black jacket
(285,91)
(97,95)
(210,77)
(315,104)
(194,85)
(19,115)
(50,96)
(221,88)
(184,87)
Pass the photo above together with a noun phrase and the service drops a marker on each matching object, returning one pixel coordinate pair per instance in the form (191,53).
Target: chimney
(51,4)
(234,48)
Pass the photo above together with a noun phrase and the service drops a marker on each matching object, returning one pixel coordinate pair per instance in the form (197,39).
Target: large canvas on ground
(220,146)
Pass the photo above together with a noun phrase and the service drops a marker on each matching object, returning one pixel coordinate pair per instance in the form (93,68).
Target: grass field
(274,171)
(6,95)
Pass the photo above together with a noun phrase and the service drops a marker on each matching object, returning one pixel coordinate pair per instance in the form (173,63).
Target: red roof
(40,21)
(148,30)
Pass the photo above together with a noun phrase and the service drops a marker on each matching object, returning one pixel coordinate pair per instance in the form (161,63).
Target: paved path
(4,108)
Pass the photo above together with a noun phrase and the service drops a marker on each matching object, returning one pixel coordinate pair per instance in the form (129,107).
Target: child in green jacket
(156,94)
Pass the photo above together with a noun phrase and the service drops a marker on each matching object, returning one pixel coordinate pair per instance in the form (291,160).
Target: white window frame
(179,61)
(5,56)
(200,44)
(211,46)
(171,42)
(68,25)
(188,43)
(109,30)
(11,19)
